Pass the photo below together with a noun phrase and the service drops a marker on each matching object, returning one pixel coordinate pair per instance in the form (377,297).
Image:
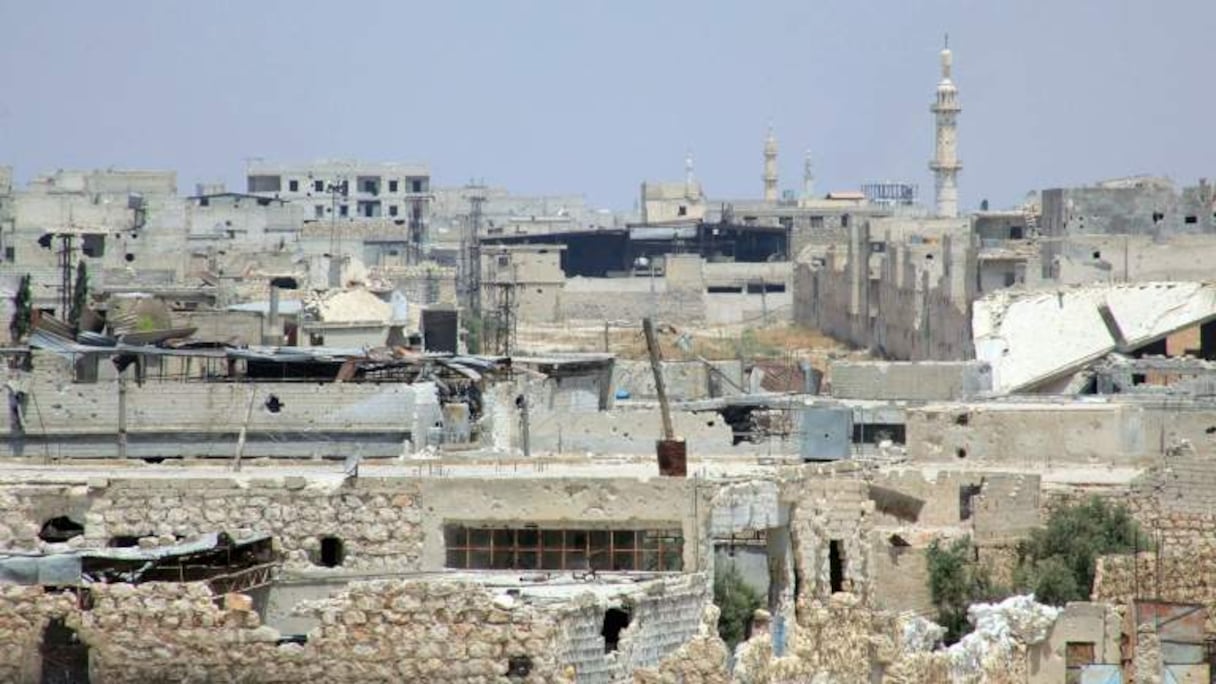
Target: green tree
(737,602)
(1057,562)
(80,293)
(19,327)
(956,581)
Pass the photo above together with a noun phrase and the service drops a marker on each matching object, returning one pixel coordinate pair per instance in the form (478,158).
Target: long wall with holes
(51,417)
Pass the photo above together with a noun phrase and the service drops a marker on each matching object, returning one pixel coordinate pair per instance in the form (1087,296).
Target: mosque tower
(770,167)
(945,164)
(808,177)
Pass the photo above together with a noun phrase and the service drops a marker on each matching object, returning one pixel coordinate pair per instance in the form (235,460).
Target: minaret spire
(770,166)
(689,178)
(808,177)
(945,164)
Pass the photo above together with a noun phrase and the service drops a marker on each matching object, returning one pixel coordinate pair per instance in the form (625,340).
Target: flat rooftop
(329,474)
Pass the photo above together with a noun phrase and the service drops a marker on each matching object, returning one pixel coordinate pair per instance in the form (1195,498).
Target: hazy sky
(594,97)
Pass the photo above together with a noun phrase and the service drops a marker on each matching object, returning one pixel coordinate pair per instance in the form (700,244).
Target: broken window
(531,548)
(844,220)
(816,221)
(416,185)
(293,186)
(1191,219)
(682,211)
(343,210)
(1015,232)
(265,183)
(392,209)
(836,565)
(318,210)
(877,433)
(615,621)
(392,186)
(318,186)
(60,529)
(332,552)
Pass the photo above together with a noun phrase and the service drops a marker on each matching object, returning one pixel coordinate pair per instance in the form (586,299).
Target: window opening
(531,548)
(966,500)
(836,565)
(61,529)
(332,552)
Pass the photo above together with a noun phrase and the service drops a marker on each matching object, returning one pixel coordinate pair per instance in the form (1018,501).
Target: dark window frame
(473,547)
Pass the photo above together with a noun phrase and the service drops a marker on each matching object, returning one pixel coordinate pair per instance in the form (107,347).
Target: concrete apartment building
(386,199)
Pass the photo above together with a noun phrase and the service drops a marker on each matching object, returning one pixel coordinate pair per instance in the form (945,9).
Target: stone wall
(393,524)
(823,510)
(378,521)
(662,619)
(378,631)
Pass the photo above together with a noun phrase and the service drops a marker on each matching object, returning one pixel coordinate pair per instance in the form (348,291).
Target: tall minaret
(770,167)
(808,177)
(945,164)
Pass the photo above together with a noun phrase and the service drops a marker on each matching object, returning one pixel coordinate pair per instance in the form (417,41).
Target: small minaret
(808,177)
(689,178)
(770,167)
(945,164)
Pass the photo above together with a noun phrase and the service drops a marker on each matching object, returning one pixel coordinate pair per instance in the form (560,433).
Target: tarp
(64,569)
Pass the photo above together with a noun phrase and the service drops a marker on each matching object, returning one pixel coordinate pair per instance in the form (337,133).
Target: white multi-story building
(390,193)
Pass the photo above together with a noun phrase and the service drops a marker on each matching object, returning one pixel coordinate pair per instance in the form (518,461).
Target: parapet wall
(912,381)
(613,304)
(195,419)
(1029,435)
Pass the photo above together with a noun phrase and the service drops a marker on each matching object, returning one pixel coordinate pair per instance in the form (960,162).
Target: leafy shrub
(737,602)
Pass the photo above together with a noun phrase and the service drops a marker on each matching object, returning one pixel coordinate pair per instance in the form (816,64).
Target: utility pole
(656,366)
(526,420)
(335,237)
(671,452)
(240,441)
(122,416)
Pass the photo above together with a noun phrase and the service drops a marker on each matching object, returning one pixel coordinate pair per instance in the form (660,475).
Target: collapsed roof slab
(1032,337)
